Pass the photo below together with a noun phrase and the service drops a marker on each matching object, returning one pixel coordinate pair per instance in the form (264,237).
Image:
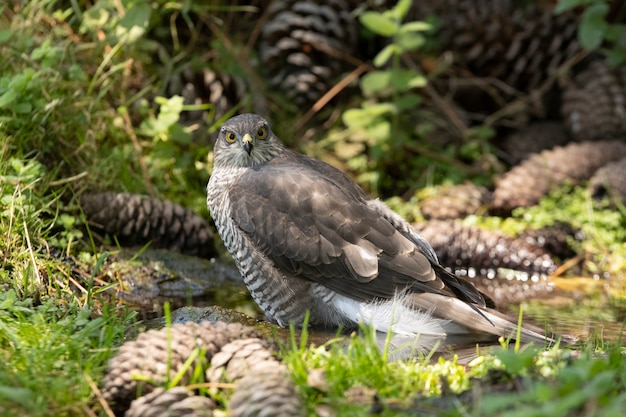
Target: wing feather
(314,222)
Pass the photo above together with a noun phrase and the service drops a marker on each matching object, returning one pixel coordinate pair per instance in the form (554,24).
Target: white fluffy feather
(393,316)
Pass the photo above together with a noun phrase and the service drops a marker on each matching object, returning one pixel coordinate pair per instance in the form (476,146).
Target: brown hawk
(305,237)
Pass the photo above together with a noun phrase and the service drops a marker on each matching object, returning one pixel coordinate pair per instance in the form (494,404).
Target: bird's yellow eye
(261,133)
(231,137)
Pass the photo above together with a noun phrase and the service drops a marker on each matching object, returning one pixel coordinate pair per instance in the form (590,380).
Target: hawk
(307,238)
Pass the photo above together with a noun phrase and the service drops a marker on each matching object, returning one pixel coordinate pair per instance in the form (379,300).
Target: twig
(31,252)
(319,104)
(567,265)
(98,393)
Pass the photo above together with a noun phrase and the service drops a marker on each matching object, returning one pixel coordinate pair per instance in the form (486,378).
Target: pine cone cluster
(534,138)
(525,184)
(175,402)
(594,103)
(136,219)
(297,44)
(158,355)
(610,181)
(454,202)
(465,248)
(518,44)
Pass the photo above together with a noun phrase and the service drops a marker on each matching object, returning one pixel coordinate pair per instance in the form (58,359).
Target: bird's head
(245,141)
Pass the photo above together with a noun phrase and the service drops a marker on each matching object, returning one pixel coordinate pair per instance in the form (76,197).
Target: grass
(357,379)
(73,119)
(52,353)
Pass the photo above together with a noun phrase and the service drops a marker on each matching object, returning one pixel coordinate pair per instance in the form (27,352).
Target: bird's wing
(313,221)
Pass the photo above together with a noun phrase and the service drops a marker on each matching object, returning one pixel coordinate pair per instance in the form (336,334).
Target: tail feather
(481,323)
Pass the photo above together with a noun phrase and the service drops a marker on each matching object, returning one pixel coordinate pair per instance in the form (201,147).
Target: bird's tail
(482,324)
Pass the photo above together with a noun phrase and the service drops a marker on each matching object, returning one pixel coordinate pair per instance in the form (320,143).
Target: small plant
(386,138)
(596,32)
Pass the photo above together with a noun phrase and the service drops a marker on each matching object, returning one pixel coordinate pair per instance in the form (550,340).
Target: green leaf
(401,9)
(379,109)
(95,18)
(375,81)
(7,98)
(5,35)
(616,57)
(404,80)
(418,81)
(409,41)
(564,5)
(381,131)
(355,118)
(408,101)
(616,32)
(593,27)
(384,55)
(415,27)
(134,23)
(379,24)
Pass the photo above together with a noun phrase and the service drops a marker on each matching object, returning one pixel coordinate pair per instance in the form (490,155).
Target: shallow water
(588,308)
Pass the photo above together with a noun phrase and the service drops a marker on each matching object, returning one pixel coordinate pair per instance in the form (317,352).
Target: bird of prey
(307,238)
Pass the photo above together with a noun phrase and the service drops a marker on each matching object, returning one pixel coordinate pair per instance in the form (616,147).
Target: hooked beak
(246,143)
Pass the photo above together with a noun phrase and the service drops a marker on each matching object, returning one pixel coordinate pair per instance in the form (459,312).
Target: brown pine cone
(454,202)
(294,45)
(206,86)
(553,239)
(156,352)
(263,384)
(520,43)
(532,139)
(465,248)
(528,182)
(239,357)
(176,402)
(610,181)
(594,104)
(267,391)
(137,220)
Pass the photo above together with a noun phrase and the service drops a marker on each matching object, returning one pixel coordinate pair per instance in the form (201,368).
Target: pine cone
(594,104)
(241,356)
(553,239)
(465,248)
(264,386)
(136,219)
(454,202)
(266,391)
(176,402)
(528,182)
(294,45)
(520,44)
(533,139)
(157,351)
(610,181)
(206,86)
